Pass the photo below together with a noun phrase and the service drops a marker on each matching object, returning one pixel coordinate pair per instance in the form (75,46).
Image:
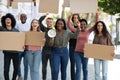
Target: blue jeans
(34,58)
(81,62)
(25,62)
(72,61)
(97,63)
(59,61)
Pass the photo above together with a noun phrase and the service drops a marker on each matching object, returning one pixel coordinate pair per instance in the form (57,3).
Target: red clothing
(81,40)
(82,37)
(34,48)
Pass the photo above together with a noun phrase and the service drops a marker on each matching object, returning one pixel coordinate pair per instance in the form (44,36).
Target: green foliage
(118,19)
(110,6)
(110,26)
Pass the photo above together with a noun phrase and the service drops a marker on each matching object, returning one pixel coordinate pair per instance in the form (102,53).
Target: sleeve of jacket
(42,27)
(74,35)
(109,40)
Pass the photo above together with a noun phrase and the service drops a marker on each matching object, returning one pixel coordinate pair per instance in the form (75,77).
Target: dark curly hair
(8,15)
(75,15)
(61,19)
(84,20)
(104,30)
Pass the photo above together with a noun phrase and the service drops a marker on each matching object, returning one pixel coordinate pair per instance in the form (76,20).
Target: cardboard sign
(35,38)
(14,5)
(17,40)
(83,6)
(8,3)
(22,0)
(50,6)
(67,3)
(12,41)
(99,51)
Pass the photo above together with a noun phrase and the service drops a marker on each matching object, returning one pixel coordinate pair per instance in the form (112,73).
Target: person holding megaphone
(47,48)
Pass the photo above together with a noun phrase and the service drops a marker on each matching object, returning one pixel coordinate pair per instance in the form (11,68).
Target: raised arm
(63,11)
(41,19)
(74,35)
(91,29)
(70,25)
(96,19)
(40,22)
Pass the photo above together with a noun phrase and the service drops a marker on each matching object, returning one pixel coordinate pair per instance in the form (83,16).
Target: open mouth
(8,23)
(82,27)
(34,26)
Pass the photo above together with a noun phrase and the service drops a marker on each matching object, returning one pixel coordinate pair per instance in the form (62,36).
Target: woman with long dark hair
(60,53)
(72,44)
(101,37)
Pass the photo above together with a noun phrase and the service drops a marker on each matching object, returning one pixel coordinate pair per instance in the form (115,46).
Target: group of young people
(76,48)
(32,60)
(55,49)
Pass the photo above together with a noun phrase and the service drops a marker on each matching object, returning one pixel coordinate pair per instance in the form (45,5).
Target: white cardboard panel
(83,6)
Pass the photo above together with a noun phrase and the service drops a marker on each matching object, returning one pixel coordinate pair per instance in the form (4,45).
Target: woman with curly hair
(8,23)
(81,62)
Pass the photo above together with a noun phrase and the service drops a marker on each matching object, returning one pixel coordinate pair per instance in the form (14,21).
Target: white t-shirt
(23,27)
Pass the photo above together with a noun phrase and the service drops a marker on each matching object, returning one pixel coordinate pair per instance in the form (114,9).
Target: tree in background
(110,6)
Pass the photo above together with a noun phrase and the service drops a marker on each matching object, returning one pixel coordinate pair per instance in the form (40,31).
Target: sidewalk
(113,69)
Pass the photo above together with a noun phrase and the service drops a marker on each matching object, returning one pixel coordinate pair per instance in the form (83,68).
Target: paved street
(113,69)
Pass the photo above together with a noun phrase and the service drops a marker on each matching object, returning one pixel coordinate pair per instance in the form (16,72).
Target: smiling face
(49,22)
(23,18)
(8,22)
(35,25)
(83,26)
(75,19)
(60,25)
(100,27)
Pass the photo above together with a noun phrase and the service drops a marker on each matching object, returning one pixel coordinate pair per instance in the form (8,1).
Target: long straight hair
(104,30)
(61,19)
(38,28)
(76,14)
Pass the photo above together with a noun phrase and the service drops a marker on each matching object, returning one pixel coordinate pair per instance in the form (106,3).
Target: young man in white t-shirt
(23,26)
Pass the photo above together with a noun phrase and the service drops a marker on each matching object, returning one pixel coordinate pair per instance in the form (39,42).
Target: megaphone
(51,33)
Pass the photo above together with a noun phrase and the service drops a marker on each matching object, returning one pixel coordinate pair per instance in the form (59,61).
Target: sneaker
(20,78)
